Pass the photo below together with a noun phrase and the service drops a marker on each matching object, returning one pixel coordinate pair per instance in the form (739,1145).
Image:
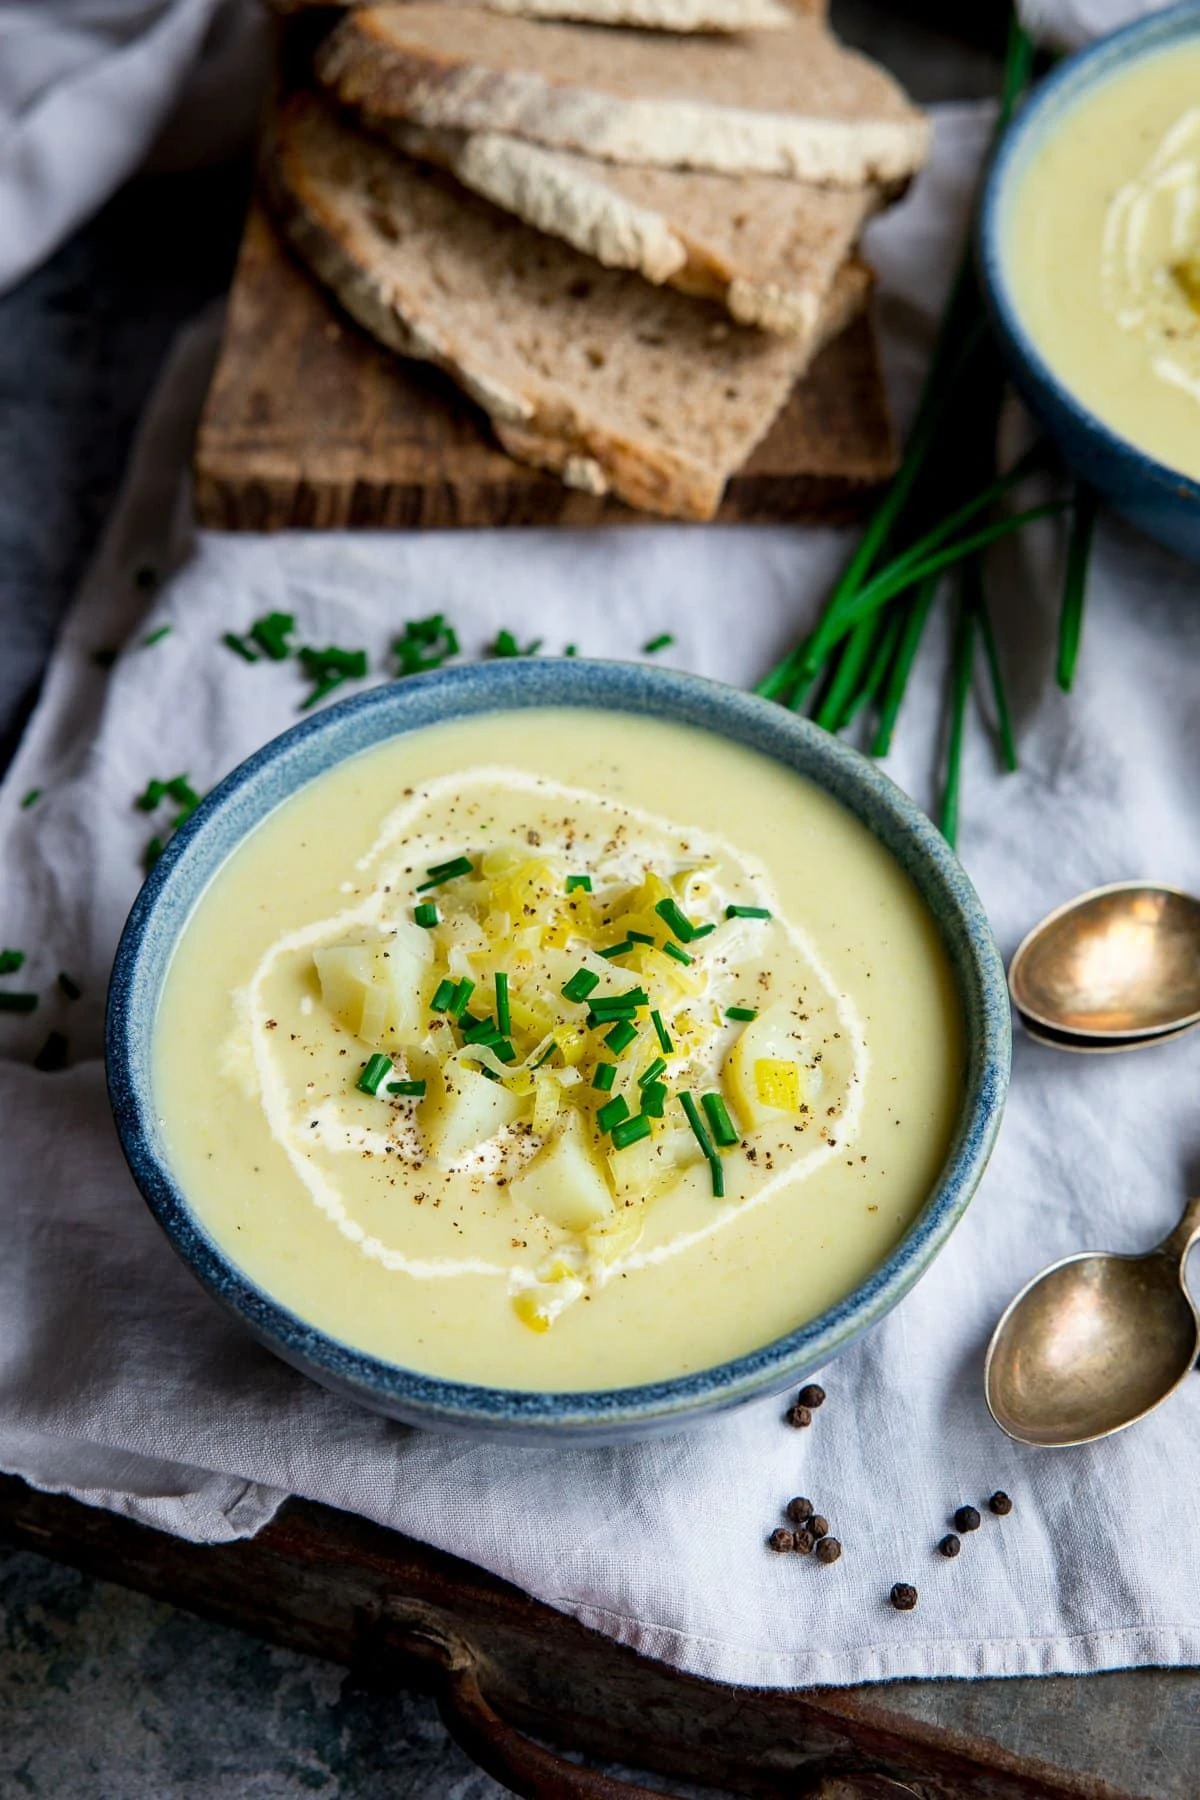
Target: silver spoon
(1111,969)
(1096,1046)
(1094,1342)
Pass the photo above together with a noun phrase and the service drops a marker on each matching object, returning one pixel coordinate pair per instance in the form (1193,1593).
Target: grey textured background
(105,1695)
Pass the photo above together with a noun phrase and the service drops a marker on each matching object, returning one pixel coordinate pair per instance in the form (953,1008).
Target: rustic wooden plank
(310,423)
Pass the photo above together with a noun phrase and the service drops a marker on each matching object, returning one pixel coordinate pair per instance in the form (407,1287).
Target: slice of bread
(619,386)
(791,102)
(765,249)
(644,15)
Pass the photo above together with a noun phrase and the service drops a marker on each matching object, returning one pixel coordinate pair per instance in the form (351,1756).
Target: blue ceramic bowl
(254,790)
(1162,502)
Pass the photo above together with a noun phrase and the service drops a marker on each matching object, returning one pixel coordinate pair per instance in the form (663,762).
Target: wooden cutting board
(310,423)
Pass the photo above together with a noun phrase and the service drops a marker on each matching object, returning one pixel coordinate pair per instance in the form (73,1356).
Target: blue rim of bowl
(1064,85)
(273,774)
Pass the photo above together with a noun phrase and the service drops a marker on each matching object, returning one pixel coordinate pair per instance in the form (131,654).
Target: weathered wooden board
(310,423)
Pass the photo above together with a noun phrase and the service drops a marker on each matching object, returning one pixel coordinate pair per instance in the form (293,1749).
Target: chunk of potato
(563,1183)
(763,1069)
(462,1110)
(374,990)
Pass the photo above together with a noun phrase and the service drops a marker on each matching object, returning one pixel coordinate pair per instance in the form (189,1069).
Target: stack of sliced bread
(625,227)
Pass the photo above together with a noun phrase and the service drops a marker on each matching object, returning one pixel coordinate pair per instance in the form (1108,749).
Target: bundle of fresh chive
(936,521)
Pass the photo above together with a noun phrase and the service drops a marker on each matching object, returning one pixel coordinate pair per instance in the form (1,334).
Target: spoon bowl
(1120,963)
(1094,1343)
(1089,1045)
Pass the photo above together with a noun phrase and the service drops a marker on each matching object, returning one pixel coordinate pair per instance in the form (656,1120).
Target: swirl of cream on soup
(1150,267)
(503,1151)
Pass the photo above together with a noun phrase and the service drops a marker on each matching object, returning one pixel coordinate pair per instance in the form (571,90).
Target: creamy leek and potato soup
(556,1049)
(1103,250)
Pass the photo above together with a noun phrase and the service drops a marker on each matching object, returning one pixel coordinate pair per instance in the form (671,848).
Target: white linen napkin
(123,1384)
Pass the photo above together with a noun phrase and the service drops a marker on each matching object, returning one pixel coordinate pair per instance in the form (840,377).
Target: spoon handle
(1180,1241)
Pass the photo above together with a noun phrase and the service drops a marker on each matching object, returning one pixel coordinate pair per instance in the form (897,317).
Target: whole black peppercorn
(967,1519)
(903,1596)
(799,1510)
(812,1395)
(799,1416)
(828,1550)
(950,1545)
(818,1525)
(1000,1503)
(781,1539)
(804,1543)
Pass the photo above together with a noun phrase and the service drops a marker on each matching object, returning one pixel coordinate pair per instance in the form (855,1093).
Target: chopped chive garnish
(373,1073)
(480,1031)
(31,799)
(53,1054)
(621,949)
(507,645)
(663,641)
(571,650)
(426,915)
(581,984)
(700,1133)
(152,852)
(663,1035)
(746,912)
(443,995)
(583,882)
(155,637)
(719,1122)
(702,931)
(462,994)
(447,871)
(620,1005)
(621,1036)
(657,1067)
(504,1050)
(548,1052)
(69,986)
(654,1099)
(17,1003)
(612,1113)
(676,920)
(503,1019)
(674,950)
(630,1131)
(424,645)
(328,669)
(149,799)
(607,1012)
(745,1013)
(606,1074)
(239,646)
(639,937)
(271,634)
(10,961)
(412,1090)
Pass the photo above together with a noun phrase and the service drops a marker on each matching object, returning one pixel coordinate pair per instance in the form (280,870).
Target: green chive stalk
(1070,618)
(910,642)
(960,687)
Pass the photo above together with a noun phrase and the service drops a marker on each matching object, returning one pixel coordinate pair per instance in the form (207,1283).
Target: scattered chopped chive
(412,1090)
(548,1052)
(702,931)
(676,920)
(11,961)
(700,1133)
(746,912)
(653,1072)
(654,1099)
(271,634)
(621,949)
(504,1050)
(630,1131)
(629,1001)
(581,984)
(31,799)
(156,637)
(328,668)
(152,852)
(154,792)
(1070,618)
(104,657)
(745,1013)
(612,1113)
(447,871)
(53,1054)
(571,650)
(462,994)
(639,937)
(663,641)
(373,1073)
(426,915)
(69,986)
(960,687)
(180,789)
(17,1003)
(503,1019)
(606,1074)
(507,645)
(719,1122)
(239,646)
(621,1036)
(606,1012)
(661,1032)
(424,645)
(443,995)
(480,1031)
(679,955)
(579,881)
